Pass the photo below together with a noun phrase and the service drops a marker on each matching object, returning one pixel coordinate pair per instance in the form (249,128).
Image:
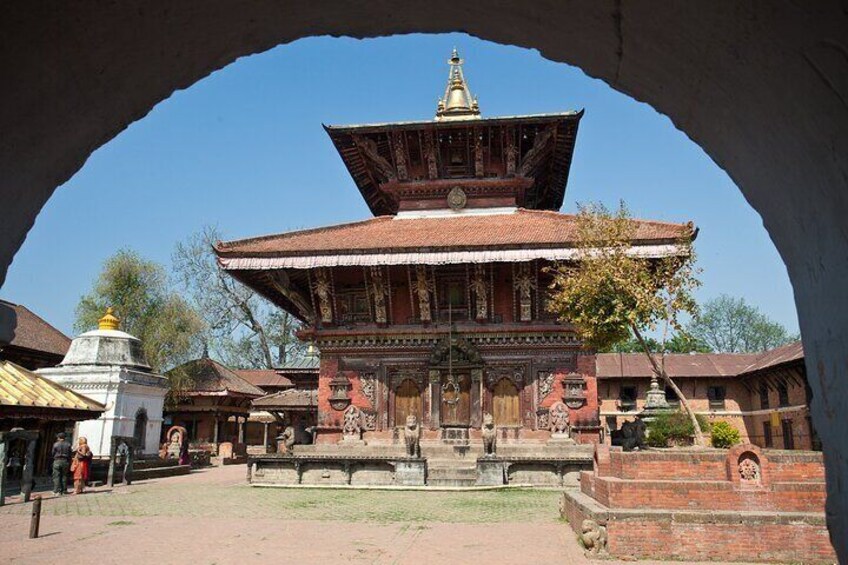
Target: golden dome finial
(109,321)
(458,103)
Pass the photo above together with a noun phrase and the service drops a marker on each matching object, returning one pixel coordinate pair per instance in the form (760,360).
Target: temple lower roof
(520,235)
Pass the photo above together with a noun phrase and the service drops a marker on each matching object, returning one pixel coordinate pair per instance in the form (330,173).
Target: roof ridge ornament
(108,321)
(458,103)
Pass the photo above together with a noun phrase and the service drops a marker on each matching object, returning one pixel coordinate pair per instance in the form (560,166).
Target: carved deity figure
(288,439)
(532,157)
(481,292)
(430,153)
(352,426)
(511,153)
(594,537)
(412,436)
(322,289)
(749,468)
(490,435)
(423,288)
(400,156)
(559,418)
(379,290)
(524,285)
(369,147)
(478,154)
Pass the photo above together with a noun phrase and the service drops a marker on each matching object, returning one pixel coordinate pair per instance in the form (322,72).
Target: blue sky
(244,150)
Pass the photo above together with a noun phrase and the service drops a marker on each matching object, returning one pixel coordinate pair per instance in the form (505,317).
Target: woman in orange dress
(81,465)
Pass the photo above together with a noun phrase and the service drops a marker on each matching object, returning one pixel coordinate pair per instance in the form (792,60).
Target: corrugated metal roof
(785,354)
(305,363)
(263,377)
(623,365)
(24,388)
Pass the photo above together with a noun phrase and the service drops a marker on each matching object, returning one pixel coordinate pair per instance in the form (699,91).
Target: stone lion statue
(489,435)
(287,438)
(594,537)
(412,436)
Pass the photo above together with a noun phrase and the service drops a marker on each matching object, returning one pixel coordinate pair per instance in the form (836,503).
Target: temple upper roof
(519,161)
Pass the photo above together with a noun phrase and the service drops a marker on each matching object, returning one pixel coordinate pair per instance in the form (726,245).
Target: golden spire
(458,102)
(109,321)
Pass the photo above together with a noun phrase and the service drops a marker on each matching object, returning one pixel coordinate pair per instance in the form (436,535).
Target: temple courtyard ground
(213,517)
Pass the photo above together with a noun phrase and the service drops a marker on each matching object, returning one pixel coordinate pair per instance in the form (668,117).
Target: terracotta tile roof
(23,388)
(780,355)
(518,230)
(625,365)
(263,377)
(210,377)
(32,332)
(292,398)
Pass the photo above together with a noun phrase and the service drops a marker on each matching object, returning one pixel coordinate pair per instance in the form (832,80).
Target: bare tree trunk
(660,372)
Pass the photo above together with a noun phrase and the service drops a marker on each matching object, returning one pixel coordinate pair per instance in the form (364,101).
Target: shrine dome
(106,345)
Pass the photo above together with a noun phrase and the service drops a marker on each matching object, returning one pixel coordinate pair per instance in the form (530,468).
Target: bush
(674,428)
(724,435)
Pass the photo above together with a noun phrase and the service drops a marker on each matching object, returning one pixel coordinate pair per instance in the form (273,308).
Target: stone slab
(490,472)
(411,472)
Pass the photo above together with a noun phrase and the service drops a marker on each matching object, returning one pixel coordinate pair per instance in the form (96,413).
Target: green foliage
(731,325)
(138,291)
(673,428)
(243,329)
(608,294)
(724,434)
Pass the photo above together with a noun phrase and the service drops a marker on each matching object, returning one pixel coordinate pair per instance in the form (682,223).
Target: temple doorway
(505,404)
(407,402)
(456,400)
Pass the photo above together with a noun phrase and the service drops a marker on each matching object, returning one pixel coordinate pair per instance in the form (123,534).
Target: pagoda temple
(436,306)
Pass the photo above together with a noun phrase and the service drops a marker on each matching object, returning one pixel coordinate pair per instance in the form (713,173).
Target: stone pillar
(215,433)
(476,397)
(265,436)
(242,423)
(29,469)
(435,398)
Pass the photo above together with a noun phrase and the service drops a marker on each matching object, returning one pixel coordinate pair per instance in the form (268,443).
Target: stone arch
(762,92)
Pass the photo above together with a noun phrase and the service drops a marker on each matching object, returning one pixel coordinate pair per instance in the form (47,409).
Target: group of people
(76,461)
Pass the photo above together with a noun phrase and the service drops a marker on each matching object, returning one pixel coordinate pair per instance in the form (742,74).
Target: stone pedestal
(490,472)
(561,439)
(411,472)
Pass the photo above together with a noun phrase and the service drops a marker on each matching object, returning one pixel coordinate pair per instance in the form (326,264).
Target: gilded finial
(458,103)
(109,321)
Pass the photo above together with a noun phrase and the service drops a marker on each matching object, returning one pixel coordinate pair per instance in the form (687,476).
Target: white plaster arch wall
(761,87)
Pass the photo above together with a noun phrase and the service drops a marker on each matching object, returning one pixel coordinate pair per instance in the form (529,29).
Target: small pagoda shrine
(108,366)
(436,306)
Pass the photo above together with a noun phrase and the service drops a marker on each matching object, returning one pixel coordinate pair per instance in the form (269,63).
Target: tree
(243,329)
(609,294)
(731,325)
(680,342)
(138,291)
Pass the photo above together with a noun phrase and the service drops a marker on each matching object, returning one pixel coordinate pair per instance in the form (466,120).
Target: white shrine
(108,365)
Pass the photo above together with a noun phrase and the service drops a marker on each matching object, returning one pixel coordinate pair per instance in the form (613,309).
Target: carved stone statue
(322,289)
(423,288)
(511,153)
(478,154)
(352,427)
(524,285)
(481,292)
(594,537)
(490,435)
(412,436)
(287,439)
(559,419)
(379,290)
(630,436)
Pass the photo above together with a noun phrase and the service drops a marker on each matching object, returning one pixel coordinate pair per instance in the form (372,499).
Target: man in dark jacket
(61,463)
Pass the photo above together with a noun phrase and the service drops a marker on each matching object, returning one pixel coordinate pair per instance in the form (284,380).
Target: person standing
(61,461)
(81,465)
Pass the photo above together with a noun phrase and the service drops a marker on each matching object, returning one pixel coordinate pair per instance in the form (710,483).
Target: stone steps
(447,475)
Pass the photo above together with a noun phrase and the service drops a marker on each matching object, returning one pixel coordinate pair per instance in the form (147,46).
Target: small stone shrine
(108,366)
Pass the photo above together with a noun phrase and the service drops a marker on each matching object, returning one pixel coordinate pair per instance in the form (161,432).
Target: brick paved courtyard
(212,517)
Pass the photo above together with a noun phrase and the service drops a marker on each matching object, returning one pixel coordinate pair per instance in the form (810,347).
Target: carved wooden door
(505,404)
(456,400)
(407,401)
